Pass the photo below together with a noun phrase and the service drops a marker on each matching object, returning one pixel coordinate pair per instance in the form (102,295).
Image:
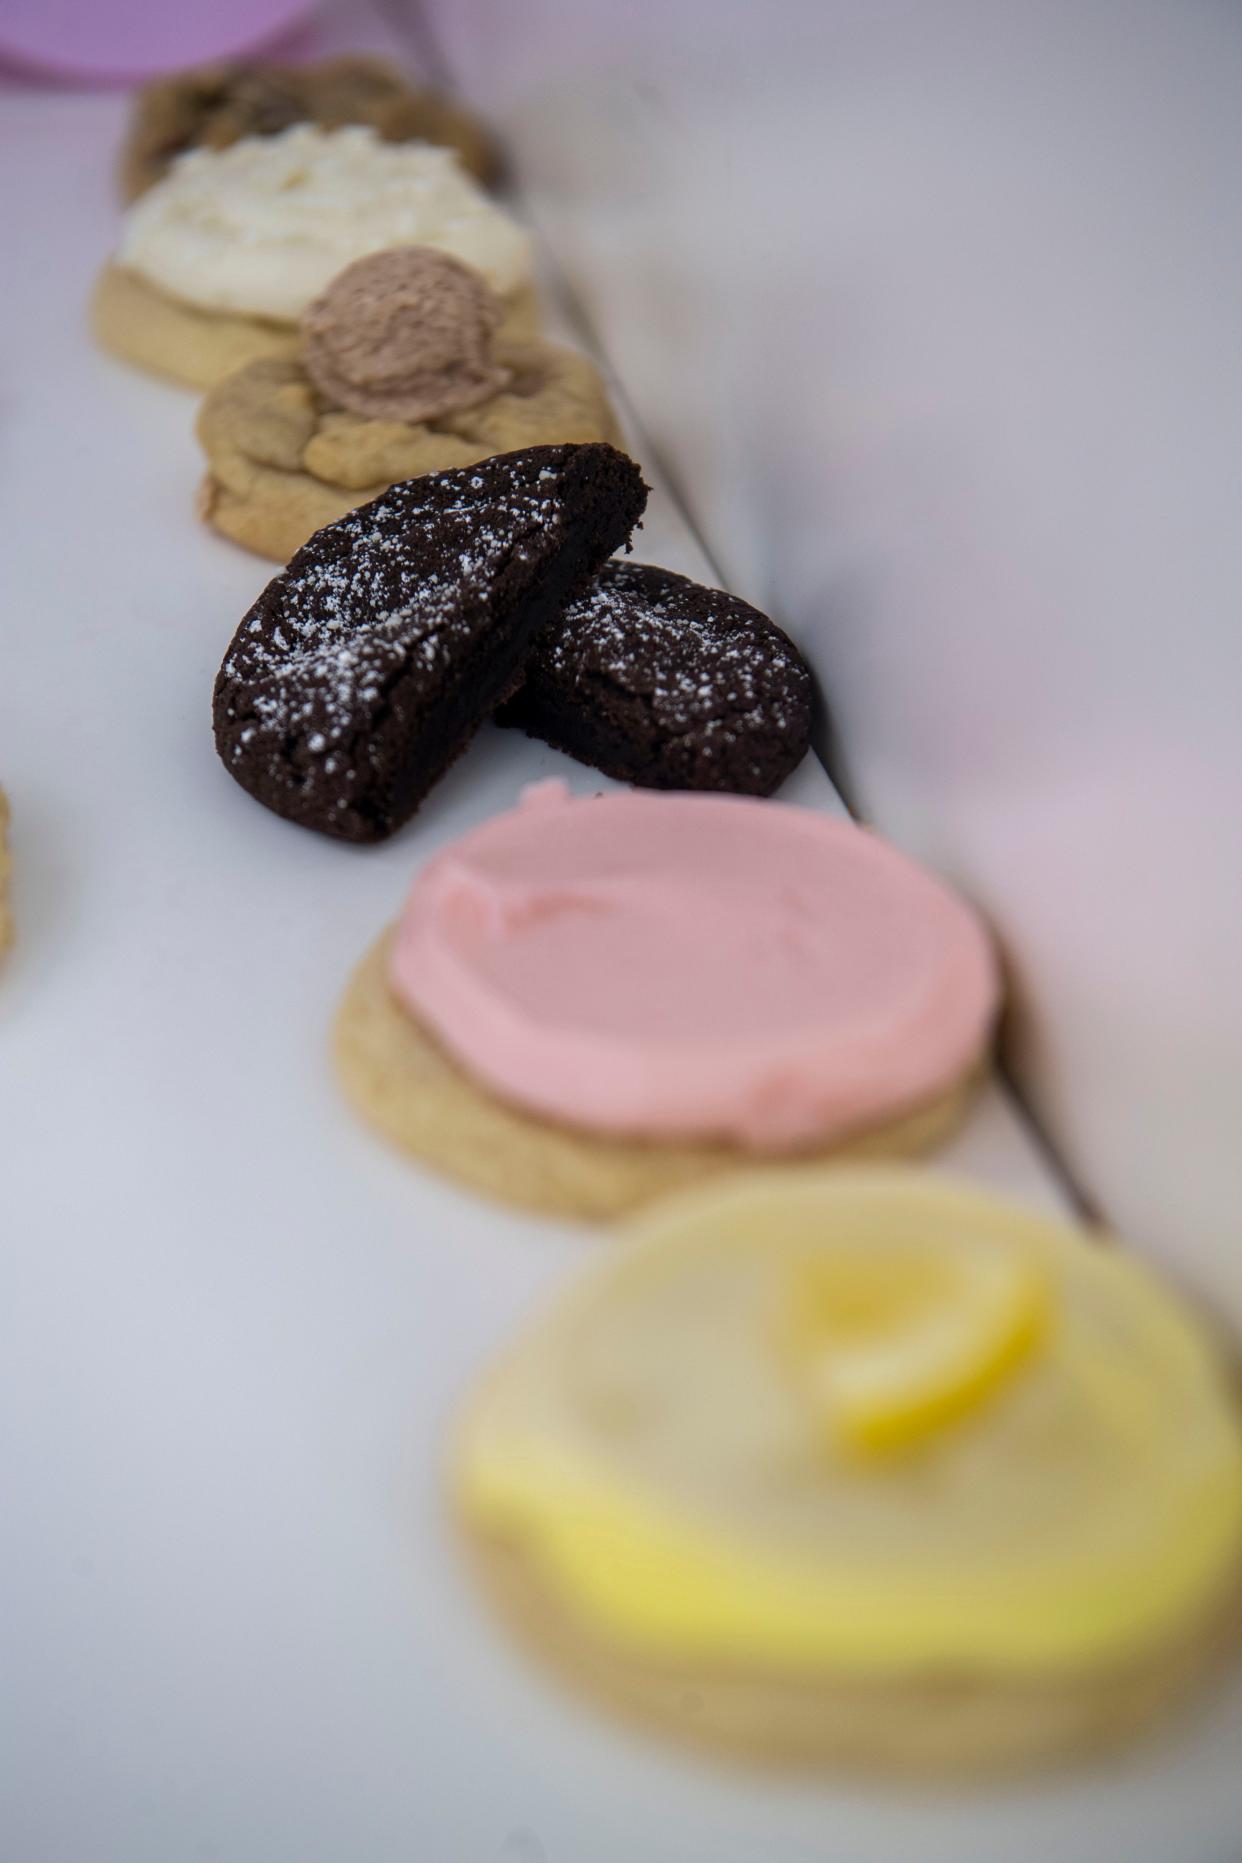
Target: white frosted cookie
(219,259)
(864,1467)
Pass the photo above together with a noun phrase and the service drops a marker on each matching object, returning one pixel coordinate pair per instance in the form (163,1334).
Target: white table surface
(235,1629)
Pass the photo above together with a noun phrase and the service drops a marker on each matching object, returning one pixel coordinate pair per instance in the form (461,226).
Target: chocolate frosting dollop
(404,335)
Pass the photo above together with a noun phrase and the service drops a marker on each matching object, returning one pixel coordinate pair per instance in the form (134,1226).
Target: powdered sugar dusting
(399,582)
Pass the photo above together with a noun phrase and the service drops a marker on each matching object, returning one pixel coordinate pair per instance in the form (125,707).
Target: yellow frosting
(1032,1468)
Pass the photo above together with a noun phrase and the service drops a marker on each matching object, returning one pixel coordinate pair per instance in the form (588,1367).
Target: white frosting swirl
(264,226)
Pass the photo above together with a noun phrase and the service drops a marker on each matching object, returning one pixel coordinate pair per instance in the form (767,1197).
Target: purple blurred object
(106,40)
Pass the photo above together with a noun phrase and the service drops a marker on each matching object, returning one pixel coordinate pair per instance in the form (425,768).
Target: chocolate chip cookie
(661,682)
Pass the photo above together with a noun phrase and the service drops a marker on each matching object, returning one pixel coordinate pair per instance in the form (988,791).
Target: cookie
(215,105)
(947,1727)
(659,681)
(283,462)
(861,1468)
(6,915)
(591,1001)
(218,261)
(365,668)
(197,348)
(409,1088)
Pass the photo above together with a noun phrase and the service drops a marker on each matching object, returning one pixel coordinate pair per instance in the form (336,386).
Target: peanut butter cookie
(283,462)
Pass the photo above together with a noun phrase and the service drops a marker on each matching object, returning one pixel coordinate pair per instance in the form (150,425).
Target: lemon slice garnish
(894,1341)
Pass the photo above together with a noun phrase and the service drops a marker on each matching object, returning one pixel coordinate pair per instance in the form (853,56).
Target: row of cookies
(823,1463)
(834,985)
(361,314)
(829,1465)
(6,916)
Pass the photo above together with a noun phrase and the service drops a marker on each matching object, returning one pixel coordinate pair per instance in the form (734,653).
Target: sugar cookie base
(404,1083)
(920,1726)
(168,336)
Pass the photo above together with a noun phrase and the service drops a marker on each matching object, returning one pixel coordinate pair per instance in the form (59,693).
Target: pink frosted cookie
(589,1001)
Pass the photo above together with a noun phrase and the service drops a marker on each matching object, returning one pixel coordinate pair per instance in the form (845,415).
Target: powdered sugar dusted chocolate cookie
(365,668)
(661,682)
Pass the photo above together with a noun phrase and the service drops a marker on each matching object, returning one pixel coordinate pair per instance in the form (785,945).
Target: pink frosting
(694,966)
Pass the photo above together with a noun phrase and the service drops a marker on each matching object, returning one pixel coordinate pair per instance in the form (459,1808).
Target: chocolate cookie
(661,682)
(365,668)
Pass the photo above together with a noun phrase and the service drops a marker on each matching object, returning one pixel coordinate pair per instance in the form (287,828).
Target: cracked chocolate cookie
(217,262)
(366,666)
(661,682)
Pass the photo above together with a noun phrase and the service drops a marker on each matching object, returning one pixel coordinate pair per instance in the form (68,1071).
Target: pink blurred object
(102,40)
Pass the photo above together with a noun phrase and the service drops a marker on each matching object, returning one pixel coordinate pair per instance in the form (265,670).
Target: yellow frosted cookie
(590,1001)
(861,1466)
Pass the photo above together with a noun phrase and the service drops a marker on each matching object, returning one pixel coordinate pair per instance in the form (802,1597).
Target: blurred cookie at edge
(365,667)
(788,1476)
(6,865)
(212,106)
(215,264)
